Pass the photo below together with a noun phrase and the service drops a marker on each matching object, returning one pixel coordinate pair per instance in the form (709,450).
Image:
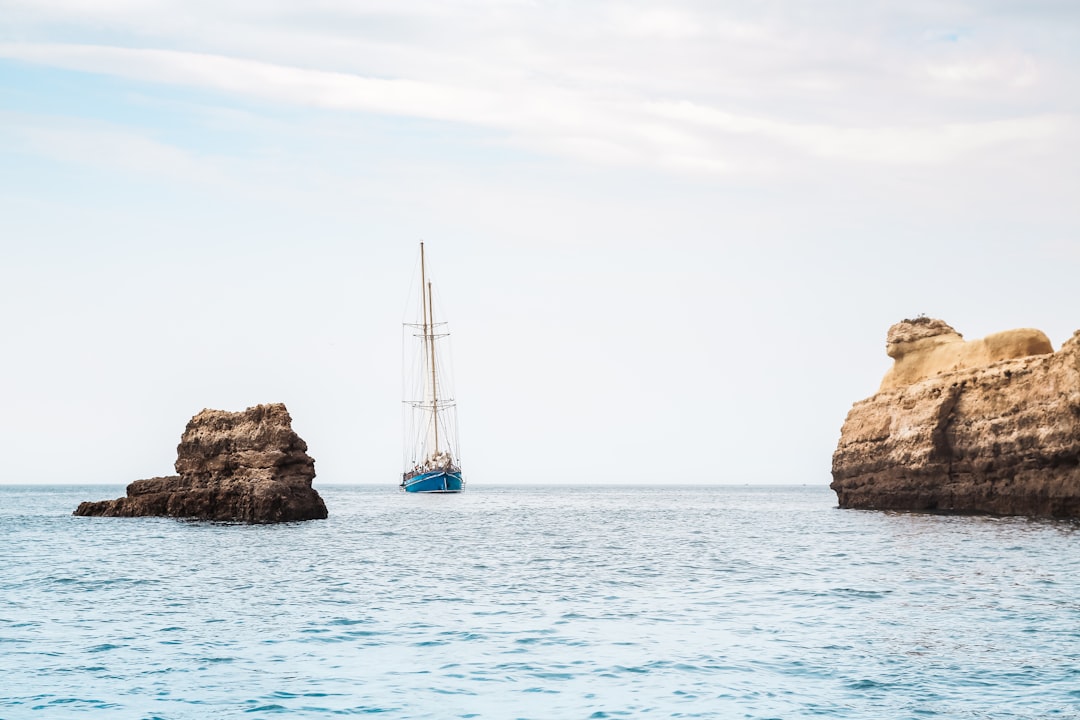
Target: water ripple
(538,603)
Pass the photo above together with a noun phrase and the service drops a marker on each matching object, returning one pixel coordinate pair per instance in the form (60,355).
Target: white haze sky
(670,237)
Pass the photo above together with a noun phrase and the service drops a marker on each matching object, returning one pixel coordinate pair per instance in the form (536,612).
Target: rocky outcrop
(1000,436)
(232,466)
(925,347)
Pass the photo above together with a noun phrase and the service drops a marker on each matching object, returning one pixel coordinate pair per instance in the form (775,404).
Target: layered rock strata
(999,436)
(232,466)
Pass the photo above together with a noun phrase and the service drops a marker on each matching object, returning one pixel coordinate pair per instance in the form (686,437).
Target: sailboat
(432,463)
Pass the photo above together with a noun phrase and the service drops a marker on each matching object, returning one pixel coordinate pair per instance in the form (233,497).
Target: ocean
(538,602)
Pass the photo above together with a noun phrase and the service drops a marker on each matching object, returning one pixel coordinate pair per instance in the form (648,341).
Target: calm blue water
(582,602)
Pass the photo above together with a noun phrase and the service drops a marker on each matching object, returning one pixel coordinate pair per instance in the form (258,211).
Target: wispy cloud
(889,145)
(104,146)
(622,129)
(750,88)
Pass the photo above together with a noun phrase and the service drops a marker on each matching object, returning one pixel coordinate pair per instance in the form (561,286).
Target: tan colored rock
(236,466)
(925,347)
(1001,437)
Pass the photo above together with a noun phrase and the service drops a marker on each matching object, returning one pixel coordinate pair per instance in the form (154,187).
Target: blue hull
(439,481)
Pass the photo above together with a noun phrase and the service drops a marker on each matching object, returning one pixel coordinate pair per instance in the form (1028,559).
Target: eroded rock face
(925,347)
(1002,437)
(233,466)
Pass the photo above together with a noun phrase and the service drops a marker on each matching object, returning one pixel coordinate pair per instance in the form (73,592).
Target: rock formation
(925,347)
(991,426)
(233,466)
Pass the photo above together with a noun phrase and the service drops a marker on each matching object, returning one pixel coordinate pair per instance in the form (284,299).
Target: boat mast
(434,395)
(429,340)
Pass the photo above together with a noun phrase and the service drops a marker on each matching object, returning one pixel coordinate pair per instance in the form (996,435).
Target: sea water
(527,602)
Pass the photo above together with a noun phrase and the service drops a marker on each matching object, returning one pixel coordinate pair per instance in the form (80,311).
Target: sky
(669,238)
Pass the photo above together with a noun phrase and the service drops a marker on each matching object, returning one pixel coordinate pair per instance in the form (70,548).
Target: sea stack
(231,466)
(986,426)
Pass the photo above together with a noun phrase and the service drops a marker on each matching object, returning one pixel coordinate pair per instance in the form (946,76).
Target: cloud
(887,145)
(746,89)
(667,23)
(104,146)
(1016,71)
(595,128)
